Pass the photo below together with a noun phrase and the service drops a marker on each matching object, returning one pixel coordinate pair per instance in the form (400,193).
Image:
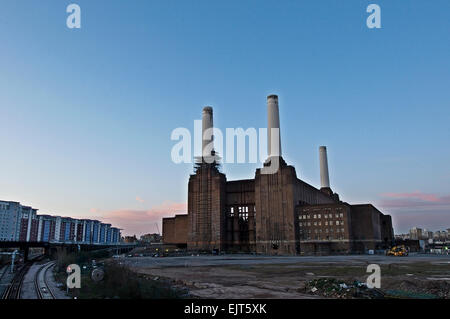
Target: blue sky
(87,114)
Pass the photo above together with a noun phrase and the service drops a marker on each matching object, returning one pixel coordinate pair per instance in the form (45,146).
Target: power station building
(275,213)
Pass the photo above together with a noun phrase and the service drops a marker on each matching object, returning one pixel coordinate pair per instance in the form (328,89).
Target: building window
(243,216)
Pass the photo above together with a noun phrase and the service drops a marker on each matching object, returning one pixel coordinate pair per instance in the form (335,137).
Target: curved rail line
(15,287)
(43,290)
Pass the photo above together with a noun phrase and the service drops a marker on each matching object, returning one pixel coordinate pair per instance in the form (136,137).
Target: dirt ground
(285,277)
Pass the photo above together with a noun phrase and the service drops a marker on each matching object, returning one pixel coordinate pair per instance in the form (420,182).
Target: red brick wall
(175,230)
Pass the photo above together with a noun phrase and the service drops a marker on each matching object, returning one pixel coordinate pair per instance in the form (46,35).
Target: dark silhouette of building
(274,213)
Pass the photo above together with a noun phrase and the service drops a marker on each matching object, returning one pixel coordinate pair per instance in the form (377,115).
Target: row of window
(323,208)
(319,223)
(319,231)
(319,216)
(322,238)
(242,211)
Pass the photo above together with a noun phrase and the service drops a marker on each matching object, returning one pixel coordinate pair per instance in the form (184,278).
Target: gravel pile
(405,289)
(333,288)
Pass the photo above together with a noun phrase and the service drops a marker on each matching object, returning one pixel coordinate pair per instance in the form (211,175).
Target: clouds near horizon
(139,222)
(414,199)
(417,209)
(413,209)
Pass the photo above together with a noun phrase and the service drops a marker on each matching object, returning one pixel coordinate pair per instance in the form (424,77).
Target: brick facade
(274,214)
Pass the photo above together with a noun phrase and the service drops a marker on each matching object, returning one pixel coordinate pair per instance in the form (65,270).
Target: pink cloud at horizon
(139,222)
(413,200)
(416,194)
(416,209)
(139,199)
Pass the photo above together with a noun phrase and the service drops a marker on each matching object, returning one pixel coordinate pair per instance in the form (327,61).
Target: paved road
(192,261)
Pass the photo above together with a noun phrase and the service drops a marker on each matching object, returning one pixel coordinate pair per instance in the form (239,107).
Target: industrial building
(175,230)
(23,224)
(274,213)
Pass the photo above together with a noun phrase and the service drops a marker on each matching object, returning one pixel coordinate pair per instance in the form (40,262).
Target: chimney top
(272,96)
(208,109)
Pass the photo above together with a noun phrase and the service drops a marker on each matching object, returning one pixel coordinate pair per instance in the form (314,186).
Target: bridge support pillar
(26,251)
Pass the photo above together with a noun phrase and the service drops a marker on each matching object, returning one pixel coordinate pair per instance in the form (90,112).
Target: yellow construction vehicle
(397,251)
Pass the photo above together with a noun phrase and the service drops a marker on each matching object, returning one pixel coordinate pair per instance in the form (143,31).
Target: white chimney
(324,177)
(207,124)
(273,122)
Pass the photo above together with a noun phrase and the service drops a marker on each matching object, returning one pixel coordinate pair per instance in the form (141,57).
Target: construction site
(304,277)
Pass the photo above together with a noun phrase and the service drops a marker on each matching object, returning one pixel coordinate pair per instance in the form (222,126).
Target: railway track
(3,270)
(15,287)
(43,290)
